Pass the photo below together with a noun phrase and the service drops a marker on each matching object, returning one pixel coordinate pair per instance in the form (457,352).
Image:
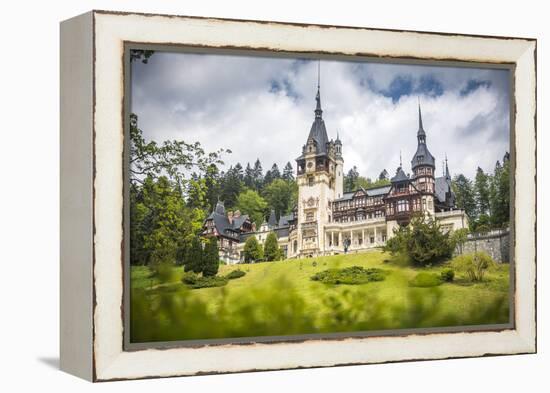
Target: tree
(194,257)
(350,180)
(239,171)
(251,203)
(212,183)
(482,192)
(248,176)
(257,175)
(211,259)
(500,195)
(288,172)
(252,250)
(231,187)
(278,195)
(272,174)
(171,159)
(272,252)
(465,195)
(422,241)
(141,55)
(384,175)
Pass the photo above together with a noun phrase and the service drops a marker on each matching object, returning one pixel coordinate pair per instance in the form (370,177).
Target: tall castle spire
(318,110)
(421,134)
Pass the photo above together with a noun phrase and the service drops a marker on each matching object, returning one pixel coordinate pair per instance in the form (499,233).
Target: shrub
(353,275)
(211,259)
(447,275)
(193,281)
(422,242)
(253,250)
(189,278)
(425,280)
(272,252)
(235,274)
(473,265)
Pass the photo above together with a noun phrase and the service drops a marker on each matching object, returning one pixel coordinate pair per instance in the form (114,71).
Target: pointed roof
(447,173)
(422,155)
(399,176)
(318,131)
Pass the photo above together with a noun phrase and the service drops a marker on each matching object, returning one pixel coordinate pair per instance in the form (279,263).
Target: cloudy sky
(261,107)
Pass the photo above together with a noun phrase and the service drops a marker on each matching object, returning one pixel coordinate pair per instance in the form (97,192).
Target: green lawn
(277,298)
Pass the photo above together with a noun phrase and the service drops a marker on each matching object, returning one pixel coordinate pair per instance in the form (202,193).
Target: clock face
(310,202)
(310,164)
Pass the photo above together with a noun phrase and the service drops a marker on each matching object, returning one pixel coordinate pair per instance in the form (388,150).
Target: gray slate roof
(399,176)
(442,186)
(422,157)
(221,222)
(375,191)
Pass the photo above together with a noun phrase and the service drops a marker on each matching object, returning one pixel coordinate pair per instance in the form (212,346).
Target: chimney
(230,217)
(237,214)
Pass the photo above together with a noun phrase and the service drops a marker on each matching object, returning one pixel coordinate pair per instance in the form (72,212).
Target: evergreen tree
(194,257)
(248,176)
(257,174)
(253,251)
(212,183)
(384,175)
(482,192)
(350,180)
(465,195)
(272,252)
(288,172)
(500,195)
(239,171)
(211,259)
(231,188)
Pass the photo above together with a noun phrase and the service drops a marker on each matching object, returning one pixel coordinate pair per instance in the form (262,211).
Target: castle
(328,220)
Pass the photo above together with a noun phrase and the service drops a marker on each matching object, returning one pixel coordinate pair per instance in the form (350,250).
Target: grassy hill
(278,298)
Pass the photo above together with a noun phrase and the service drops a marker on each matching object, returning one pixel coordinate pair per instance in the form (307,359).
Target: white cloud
(263,108)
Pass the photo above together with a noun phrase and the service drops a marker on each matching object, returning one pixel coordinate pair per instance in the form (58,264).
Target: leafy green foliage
(194,281)
(353,275)
(425,280)
(422,241)
(251,203)
(253,251)
(272,252)
(281,195)
(447,275)
(473,265)
(234,274)
(211,259)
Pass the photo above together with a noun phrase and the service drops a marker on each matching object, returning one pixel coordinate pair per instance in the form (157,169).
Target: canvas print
(283,197)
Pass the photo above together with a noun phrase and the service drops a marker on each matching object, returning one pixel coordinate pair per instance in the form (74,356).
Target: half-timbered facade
(328,220)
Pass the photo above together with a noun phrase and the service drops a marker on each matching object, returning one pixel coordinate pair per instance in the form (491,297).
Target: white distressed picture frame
(92,146)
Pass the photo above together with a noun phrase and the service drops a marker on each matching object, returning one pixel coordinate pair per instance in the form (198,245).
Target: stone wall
(495,243)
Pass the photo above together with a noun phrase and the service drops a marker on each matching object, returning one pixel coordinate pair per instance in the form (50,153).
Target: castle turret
(423,166)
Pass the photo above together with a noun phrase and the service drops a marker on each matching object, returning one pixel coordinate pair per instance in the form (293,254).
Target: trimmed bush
(194,281)
(235,274)
(473,265)
(447,275)
(353,275)
(425,280)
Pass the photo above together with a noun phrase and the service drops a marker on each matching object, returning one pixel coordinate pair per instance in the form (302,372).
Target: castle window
(310,181)
(402,205)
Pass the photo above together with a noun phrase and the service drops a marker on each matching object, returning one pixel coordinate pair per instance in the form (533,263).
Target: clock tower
(320,181)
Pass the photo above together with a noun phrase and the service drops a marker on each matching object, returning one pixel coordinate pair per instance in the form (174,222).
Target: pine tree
(211,258)
(248,176)
(288,172)
(194,258)
(482,192)
(350,180)
(258,175)
(212,182)
(253,251)
(465,195)
(272,252)
(231,188)
(239,171)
